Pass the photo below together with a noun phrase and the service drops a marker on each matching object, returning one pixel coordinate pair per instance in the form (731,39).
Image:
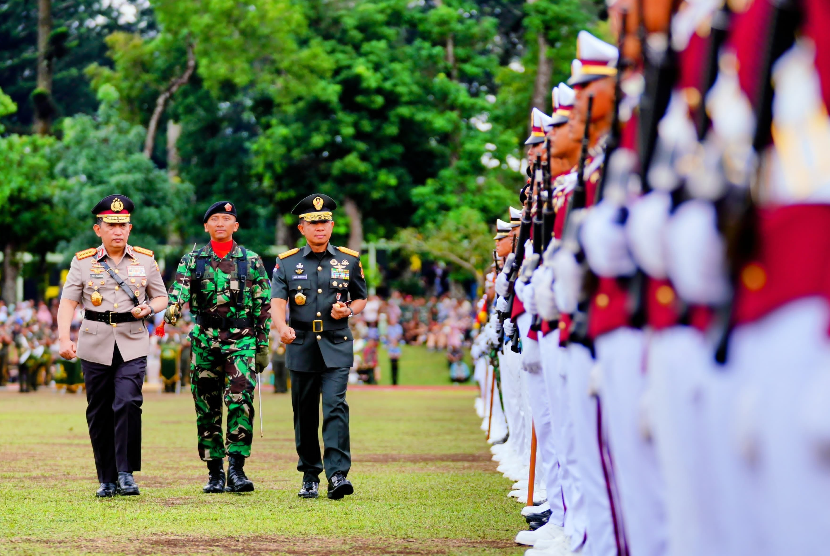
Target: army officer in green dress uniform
(323,286)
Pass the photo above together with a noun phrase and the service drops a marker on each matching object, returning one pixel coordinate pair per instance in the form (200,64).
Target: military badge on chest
(299,297)
(339,274)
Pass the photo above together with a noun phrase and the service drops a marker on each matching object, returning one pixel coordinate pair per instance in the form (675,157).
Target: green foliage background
(416,110)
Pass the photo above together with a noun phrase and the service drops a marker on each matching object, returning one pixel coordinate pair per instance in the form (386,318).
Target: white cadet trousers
(511,382)
(788,355)
(559,489)
(599,523)
(540,412)
(499,425)
(636,472)
(679,364)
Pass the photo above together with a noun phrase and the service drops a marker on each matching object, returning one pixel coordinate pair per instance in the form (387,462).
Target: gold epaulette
(143,251)
(80,255)
(288,253)
(348,251)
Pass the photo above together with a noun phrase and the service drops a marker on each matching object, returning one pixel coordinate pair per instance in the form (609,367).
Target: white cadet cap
(595,59)
(539,122)
(563,101)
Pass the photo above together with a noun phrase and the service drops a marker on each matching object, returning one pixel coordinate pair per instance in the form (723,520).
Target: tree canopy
(411,113)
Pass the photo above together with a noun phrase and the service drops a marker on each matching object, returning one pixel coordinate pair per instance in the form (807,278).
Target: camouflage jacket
(217,293)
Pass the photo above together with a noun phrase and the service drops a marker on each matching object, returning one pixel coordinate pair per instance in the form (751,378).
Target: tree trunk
(544,69)
(356,223)
(43,120)
(174,131)
(164,98)
(10,273)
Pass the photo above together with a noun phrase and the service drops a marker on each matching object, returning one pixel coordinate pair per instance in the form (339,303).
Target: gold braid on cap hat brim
(115,218)
(315,216)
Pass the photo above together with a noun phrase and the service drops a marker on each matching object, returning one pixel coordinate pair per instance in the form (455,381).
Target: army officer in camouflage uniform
(324,286)
(118,286)
(229,292)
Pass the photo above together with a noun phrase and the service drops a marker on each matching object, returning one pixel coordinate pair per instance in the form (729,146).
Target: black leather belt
(223,323)
(109,317)
(317,325)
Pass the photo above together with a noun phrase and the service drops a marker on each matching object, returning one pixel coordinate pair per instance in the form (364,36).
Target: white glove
(568,283)
(545,301)
(501,304)
(605,243)
(494,319)
(509,327)
(530,299)
(519,289)
(696,254)
(502,283)
(531,356)
(475,351)
(645,228)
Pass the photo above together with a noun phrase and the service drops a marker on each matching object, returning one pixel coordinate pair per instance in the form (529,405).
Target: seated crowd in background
(29,346)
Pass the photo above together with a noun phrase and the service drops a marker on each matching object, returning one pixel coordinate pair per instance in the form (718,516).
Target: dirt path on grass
(261,546)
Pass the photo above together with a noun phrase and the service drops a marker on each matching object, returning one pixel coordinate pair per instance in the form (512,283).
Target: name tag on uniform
(300,277)
(136,271)
(95,276)
(339,274)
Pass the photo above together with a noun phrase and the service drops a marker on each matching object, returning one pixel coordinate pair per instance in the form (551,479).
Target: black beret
(315,208)
(224,207)
(114,209)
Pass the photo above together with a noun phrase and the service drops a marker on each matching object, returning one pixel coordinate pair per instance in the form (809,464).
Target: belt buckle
(110,319)
(314,325)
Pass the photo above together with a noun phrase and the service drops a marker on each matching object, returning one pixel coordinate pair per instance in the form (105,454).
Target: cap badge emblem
(117,205)
(318,203)
(228,207)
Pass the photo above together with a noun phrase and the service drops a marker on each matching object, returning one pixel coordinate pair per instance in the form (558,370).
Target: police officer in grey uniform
(324,286)
(119,286)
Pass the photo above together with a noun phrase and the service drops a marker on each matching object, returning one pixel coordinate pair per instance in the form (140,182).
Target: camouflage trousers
(217,375)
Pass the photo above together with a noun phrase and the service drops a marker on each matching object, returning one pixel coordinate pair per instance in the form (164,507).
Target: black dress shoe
(126,484)
(542,516)
(310,490)
(237,481)
(106,490)
(216,477)
(533,525)
(339,486)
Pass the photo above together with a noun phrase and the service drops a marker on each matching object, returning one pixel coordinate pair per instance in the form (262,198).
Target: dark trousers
(113,414)
(394,363)
(306,391)
(280,377)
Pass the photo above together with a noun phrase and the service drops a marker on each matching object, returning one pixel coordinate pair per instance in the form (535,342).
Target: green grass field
(422,472)
(418,367)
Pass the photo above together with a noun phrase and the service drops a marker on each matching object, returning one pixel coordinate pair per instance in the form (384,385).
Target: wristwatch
(351,313)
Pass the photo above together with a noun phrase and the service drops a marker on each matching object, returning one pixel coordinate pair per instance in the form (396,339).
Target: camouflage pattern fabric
(222,361)
(217,374)
(218,293)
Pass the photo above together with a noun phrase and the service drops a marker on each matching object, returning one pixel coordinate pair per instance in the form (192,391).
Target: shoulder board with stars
(80,255)
(348,251)
(288,253)
(143,251)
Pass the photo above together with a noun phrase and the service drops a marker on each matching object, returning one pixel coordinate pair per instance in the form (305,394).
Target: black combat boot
(237,481)
(216,477)
(126,484)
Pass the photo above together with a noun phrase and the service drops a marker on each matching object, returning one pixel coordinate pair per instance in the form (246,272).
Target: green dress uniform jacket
(311,286)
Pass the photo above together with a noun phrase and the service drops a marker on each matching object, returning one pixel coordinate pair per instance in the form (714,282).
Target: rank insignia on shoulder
(288,253)
(348,251)
(86,253)
(143,251)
